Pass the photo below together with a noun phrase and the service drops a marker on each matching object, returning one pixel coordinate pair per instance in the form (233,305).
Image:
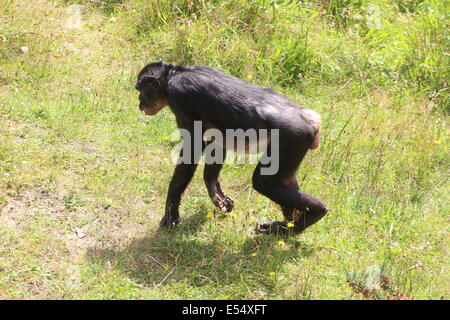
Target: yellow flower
(290,225)
(210,215)
(232,214)
(253,254)
(272,273)
(281,242)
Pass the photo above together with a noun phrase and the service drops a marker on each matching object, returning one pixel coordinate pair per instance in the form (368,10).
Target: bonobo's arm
(180,180)
(184,171)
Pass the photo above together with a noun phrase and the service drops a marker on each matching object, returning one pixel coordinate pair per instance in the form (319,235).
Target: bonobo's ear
(146,81)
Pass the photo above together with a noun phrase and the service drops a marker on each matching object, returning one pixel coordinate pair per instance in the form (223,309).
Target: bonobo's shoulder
(195,78)
(200,72)
(188,74)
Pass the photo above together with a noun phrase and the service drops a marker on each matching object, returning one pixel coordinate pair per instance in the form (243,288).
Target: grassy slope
(75,152)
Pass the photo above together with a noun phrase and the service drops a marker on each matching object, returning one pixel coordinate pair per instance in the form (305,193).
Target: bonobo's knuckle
(168,222)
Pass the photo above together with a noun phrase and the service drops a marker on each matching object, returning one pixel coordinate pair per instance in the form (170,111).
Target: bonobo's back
(232,98)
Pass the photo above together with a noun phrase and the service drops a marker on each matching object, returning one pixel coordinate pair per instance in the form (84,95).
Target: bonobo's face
(151,97)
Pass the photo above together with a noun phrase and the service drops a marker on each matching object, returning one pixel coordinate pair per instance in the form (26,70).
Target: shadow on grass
(180,256)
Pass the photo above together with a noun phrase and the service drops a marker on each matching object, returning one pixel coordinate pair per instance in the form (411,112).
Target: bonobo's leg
(181,177)
(211,177)
(290,213)
(298,207)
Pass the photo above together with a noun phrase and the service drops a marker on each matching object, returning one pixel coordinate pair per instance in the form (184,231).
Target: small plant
(376,285)
(72,202)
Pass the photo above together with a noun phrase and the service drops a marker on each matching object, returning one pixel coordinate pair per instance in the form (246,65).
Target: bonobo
(221,102)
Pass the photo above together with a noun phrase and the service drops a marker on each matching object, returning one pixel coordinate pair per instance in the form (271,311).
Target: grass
(83,174)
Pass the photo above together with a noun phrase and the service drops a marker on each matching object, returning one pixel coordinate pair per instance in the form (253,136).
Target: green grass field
(83,173)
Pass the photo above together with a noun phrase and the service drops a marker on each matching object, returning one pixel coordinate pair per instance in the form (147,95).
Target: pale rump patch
(316,141)
(313,118)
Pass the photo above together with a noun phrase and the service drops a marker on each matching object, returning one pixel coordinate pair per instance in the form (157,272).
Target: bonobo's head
(151,84)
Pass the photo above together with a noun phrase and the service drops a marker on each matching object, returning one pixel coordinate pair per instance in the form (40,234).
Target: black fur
(219,100)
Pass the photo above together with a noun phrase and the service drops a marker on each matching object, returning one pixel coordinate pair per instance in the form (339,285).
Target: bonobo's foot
(224,203)
(170,221)
(274,227)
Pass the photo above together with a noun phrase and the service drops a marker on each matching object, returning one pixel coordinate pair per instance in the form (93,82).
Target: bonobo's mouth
(149,111)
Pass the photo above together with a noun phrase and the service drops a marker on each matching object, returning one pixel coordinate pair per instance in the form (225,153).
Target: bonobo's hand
(224,203)
(170,221)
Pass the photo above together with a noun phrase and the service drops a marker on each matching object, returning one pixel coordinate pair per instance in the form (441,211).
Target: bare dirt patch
(38,205)
(28,203)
